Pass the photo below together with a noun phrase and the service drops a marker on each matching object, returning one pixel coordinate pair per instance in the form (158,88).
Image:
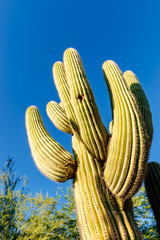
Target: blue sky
(34,35)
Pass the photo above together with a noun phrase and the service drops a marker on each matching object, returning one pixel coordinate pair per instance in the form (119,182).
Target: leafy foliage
(9,200)
(23,216)
(144,215)
(46,221)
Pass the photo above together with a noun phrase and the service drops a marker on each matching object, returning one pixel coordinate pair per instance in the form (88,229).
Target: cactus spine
(152,185)
(107,170)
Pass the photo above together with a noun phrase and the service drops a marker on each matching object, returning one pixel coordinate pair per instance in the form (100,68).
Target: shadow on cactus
(152,185)
(107,169)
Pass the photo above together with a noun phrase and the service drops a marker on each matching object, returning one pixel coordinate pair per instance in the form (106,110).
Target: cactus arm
(58,116)
(127,155)
(152,185)
(118,143)
(50,157)
(142,101)
(64,94)
(92,131)
(120,147)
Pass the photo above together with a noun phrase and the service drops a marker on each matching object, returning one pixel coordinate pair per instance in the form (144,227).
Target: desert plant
(144,215)
(25,216)
(152,185)
(107,169)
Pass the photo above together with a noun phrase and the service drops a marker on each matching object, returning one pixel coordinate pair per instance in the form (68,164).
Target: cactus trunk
(100,215)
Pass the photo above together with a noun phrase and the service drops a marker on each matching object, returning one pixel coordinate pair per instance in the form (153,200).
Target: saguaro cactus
(107,169)
(152,185)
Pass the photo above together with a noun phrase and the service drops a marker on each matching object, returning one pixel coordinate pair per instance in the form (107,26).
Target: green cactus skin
(99,214)
(58,116)
(152,185)
(128,146)
(80,106)
(50,157)
(107,170)
(141,99)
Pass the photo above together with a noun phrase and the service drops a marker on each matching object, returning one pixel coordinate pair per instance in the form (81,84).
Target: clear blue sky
(34,35)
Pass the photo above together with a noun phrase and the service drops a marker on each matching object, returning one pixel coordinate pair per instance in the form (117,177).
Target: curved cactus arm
(64,94)
(58,116)
(92,131)
(128,150)
(142,101)
(152,185)
(50,157)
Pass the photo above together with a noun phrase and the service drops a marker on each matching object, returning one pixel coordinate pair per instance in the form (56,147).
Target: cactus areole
(107,169)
